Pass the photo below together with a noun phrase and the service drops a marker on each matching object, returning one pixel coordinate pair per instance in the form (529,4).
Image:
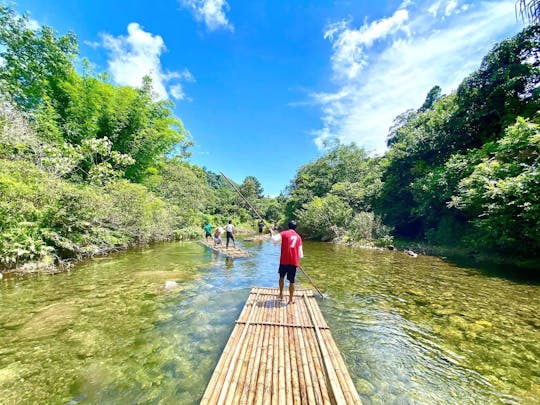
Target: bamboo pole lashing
(288,325)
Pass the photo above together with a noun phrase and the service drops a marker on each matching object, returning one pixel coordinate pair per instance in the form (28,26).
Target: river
(411,330)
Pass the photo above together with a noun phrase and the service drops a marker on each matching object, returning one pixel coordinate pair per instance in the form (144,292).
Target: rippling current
(412,330)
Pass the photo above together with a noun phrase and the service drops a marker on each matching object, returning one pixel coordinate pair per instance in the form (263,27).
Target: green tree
(251,188)
(183,185)
(35,62)
(501,193)
(324,218)
(347,164)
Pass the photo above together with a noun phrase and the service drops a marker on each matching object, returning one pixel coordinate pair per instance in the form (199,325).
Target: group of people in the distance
(229,228)
(291,250)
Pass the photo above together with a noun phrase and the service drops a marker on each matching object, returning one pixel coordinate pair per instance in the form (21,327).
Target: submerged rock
(49,321)
(169,285)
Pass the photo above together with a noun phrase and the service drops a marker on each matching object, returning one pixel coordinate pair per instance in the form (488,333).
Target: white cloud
(177,91)
(137,55)
(92,44)
(450,7)
(386,67)
(349,45)
(212,12)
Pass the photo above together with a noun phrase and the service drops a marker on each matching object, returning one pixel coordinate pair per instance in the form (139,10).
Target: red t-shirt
(290,246)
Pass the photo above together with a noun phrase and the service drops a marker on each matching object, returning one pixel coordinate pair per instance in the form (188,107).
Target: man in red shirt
(291,253)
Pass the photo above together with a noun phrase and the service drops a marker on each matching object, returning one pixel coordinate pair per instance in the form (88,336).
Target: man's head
(292,224)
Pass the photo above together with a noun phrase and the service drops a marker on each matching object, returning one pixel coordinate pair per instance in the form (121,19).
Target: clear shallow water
(411,330)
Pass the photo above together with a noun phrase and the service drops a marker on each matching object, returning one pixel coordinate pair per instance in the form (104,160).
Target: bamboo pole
(239,379)
(256,362)
(238,345)
(212,391)
(270,229)
(267,387)
(293,357)
(310,394)
(313,356)
(286,397)
(251,372)
(259,392)
(334,383)
(277,353)
(351,395)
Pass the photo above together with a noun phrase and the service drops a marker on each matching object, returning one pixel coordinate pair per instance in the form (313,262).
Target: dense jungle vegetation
(87,166)
(462,169)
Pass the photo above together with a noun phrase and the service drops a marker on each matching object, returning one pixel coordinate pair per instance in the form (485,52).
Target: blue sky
(262,86)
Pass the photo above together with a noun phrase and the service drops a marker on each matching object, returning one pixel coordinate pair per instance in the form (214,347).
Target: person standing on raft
(229,228)
(208,231)
(289,260)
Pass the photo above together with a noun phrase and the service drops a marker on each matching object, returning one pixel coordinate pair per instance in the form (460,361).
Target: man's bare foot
(290,302)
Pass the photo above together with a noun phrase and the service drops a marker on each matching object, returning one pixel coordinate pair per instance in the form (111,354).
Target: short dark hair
(292,224)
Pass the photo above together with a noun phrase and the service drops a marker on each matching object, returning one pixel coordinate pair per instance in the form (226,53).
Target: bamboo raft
(257,238)
(280,354)
(231,252)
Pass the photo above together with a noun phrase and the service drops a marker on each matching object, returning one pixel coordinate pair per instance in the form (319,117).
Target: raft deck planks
(231,252)
(280,354)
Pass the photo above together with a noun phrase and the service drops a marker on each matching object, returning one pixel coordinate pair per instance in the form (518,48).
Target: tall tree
(251,188)
(35,61)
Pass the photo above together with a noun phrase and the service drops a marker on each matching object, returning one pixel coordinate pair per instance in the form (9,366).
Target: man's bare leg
(281,282)
(291,292)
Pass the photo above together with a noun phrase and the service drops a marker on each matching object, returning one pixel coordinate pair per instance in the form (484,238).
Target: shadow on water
(529,274)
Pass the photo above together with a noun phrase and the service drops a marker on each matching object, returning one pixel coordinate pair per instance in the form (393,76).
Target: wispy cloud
(137,55)
(387,66)
(212,12)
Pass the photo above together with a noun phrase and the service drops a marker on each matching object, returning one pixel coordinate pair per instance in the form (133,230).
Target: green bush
(324,218)
(368,228)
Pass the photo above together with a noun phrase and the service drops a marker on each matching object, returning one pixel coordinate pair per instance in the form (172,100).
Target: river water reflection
(411,330)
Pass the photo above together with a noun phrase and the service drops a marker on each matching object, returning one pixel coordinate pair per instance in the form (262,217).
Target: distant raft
(257,238)
(231,252)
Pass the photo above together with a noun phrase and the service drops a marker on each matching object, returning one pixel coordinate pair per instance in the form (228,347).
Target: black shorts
(289,270)
(208,234)
(230,236)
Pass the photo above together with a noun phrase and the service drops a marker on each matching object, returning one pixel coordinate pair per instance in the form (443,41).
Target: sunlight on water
(412,330)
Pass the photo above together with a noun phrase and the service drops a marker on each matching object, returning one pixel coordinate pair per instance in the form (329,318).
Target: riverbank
(50,265)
